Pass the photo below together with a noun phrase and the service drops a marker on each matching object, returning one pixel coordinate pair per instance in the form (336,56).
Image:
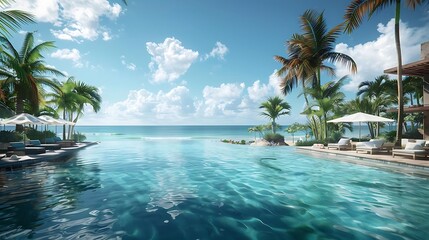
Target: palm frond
(11,20)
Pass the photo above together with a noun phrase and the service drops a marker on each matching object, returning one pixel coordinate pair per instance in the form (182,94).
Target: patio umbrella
(360,117)
(22,119)
(55,121)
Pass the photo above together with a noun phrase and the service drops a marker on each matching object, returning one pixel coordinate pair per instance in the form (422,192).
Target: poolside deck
(7,163)
(420,166)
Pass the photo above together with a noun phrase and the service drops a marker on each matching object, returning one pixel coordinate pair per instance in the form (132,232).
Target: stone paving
(8,163)
(382,159)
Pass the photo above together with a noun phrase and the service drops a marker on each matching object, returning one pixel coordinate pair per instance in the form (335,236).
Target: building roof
(411,109)
(419,68)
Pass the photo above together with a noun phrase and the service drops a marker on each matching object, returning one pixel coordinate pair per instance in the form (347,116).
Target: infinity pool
(203,189)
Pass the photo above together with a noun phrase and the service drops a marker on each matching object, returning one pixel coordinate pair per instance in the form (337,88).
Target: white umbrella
(23,118)
(361,117)
(55,121)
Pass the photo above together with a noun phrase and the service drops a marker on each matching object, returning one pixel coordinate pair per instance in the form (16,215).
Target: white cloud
(259,92)
(68,54)
(223,99)
(169,60)
(373,57)
(219,51)
(145,106)
(43,10)
(130,66)
(73,20)
(227,103)
(106,36)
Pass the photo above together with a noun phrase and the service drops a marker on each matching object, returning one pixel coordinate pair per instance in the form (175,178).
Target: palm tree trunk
(19,108)
(273,126)
(399,70)
(64,126)
(325,122)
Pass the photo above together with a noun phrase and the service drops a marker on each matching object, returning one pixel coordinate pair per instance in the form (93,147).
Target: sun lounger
(411,149)
(343,144)
(373,146)
(19,148)
(47,146)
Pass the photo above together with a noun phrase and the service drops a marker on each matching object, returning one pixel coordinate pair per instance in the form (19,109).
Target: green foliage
(335,136)
(10,136)
(274,137)
(413,134)
(242,142)
(308,143)
(390,136)
(79,137)
(274,107)
(33,134)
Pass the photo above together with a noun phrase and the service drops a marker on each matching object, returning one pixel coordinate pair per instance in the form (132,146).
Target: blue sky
(201,62)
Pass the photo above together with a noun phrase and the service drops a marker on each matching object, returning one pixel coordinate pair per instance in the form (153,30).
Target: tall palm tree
(89,96)
(309,52)
(355,12)
(274,107)
(71,98)
(11,20)
(25,72)
(65,100)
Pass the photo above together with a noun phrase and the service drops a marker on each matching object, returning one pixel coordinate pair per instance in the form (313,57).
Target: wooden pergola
(419,68)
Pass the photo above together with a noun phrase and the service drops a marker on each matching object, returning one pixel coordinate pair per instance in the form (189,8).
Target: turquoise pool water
(178,187)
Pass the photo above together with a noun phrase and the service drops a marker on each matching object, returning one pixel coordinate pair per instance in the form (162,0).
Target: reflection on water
(187,189)
(31,195)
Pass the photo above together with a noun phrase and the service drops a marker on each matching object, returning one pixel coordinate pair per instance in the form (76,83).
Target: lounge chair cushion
(344,141)
(35,142)
(413,146)
(17,145)
(421,142)
(377,143)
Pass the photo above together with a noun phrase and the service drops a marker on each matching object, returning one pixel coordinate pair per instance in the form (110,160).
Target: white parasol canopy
(361,117)
(55,121)
(23,118)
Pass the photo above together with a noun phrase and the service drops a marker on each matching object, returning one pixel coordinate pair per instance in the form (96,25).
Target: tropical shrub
(79,137)
(10,136)
(389,136)
(33,134)
(308,143)
(275,138)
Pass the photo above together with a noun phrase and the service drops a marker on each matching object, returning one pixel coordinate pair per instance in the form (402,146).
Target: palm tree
(259,129)
(24,72)
(11,20)
(89,96)
(377,92)
(309,51)
(353,18)
(64,100)
(275,107)
(71,98)
(413,86)
(326,99)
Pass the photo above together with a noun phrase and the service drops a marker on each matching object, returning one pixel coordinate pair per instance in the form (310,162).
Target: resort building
(419,69)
